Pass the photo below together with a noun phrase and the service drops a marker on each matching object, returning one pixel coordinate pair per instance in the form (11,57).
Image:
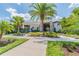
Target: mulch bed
(4,42)
(71,52)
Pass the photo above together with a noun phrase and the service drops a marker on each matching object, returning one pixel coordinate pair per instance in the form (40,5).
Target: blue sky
(63,9)
(9,9)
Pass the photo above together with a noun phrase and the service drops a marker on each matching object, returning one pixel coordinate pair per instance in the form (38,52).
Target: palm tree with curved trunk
(4,27)
(17,22)
(42,11)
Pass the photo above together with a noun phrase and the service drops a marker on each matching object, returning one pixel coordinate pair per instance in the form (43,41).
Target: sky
(7,10)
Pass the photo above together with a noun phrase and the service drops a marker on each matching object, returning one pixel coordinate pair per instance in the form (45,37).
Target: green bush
(50,34)
(35,33)
(46,34)
(19,34)
(11,45)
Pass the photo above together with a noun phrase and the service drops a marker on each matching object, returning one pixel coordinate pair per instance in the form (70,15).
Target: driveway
(35,46)
(32,47)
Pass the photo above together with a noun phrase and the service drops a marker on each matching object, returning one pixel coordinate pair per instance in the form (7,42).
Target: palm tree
(4,27)
(17,22)
(42,11)
(75,11)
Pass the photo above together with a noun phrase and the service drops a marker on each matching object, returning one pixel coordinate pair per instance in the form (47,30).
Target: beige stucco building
(48,25)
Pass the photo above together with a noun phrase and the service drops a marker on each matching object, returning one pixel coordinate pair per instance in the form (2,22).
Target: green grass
(12,45)
(54,48)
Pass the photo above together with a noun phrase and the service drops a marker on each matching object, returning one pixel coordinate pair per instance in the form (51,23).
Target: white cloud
(72,5)
(57,18)
(18,3)
(13,12)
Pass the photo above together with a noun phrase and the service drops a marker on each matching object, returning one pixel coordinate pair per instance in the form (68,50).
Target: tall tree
(17,22)
(42,11)
(4,27)
(75,11)
(69,24)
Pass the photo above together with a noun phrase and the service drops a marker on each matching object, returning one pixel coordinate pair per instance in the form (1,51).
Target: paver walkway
(32,47)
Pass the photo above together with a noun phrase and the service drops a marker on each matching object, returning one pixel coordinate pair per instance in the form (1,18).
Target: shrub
(51,34)
(47,34)
(19,34)
(35,33)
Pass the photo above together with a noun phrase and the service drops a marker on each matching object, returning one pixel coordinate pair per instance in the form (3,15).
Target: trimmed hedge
(50,34)
(35,34)
(46,34)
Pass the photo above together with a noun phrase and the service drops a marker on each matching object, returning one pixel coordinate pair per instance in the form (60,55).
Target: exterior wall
(53,25)
(33,25)
(57,26)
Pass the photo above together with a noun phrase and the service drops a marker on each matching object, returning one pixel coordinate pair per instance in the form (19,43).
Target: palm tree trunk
(42,24)
(1,36)
(18,31)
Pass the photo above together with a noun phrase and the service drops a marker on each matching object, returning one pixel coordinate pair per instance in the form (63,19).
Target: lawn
(61,48)
(13,44)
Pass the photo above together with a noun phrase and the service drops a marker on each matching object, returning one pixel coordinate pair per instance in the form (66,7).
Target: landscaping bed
(62,48)
(14,42)
(44,34)
(73,36)
(70,35)
(35,34)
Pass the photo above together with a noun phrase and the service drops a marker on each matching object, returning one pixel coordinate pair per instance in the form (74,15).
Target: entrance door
(46,27)
(26,28)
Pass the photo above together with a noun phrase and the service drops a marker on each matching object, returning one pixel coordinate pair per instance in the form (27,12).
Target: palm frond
(43,10)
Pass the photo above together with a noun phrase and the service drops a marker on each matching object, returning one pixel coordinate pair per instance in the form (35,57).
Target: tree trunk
(18,30)
(1,36)
(42,24)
